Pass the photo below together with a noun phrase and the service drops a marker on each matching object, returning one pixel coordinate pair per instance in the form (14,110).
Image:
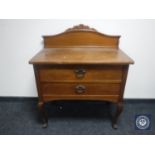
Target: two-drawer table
(81,64)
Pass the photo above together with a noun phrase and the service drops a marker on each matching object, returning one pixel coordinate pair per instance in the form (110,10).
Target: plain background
(20,40)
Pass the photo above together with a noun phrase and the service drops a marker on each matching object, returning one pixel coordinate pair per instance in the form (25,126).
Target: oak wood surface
(81,35)
(69,73)
(90,89)
(81,55)
(80,38)
(83,64)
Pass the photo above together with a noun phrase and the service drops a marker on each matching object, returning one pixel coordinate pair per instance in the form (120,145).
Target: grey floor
(20,117)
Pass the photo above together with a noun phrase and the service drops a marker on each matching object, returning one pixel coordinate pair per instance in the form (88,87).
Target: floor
(20,117)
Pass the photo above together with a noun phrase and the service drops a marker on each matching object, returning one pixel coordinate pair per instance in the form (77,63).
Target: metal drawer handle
(80,72)
(80,89)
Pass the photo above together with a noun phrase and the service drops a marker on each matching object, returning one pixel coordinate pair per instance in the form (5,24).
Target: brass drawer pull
(80,89)
(80,72)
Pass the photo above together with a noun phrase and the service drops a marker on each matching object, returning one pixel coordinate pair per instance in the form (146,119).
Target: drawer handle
(80,72)
(80,89)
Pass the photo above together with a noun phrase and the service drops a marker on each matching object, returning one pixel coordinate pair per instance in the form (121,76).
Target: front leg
(41,107)
(119,109)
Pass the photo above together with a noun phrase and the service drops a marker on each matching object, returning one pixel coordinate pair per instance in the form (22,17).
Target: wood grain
(83,64)
(80,35)
(68,73)
(81,55)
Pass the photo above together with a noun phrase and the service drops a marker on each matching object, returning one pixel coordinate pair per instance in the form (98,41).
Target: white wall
(21,39)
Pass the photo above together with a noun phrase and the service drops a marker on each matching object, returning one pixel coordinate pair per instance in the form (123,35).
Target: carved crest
(81,35)
(81,27)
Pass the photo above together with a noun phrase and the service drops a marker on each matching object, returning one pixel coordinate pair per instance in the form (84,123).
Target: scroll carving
(81,27)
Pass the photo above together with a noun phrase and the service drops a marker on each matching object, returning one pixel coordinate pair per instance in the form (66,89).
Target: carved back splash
(81,35)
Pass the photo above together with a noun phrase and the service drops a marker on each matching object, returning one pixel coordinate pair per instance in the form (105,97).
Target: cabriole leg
(41,107)
(119,109)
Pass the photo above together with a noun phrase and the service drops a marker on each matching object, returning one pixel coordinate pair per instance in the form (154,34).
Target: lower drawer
(80,88)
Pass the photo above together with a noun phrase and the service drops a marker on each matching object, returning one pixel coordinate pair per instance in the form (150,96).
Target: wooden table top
(81,55)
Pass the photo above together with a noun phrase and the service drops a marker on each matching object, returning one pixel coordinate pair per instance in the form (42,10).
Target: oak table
(81,64)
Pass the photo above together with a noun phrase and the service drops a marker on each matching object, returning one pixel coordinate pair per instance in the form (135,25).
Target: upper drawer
(80,73)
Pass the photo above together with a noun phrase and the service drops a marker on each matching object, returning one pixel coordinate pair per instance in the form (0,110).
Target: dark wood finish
(43,113)
(87,64)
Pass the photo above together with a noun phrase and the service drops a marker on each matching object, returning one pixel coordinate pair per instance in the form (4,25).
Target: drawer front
(80,73)
(80,89)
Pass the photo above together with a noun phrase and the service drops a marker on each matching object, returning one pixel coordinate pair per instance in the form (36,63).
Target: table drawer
(80,89)
(80,73)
